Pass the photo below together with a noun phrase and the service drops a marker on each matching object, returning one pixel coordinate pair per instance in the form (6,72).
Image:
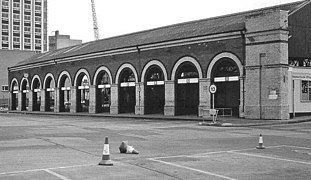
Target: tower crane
(95,27)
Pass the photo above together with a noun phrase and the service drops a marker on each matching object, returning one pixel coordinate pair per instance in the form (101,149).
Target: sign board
(212,88)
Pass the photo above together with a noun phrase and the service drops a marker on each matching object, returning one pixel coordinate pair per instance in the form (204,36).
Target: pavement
(220,122)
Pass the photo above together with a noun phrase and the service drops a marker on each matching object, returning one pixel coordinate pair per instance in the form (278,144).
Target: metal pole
(213,106)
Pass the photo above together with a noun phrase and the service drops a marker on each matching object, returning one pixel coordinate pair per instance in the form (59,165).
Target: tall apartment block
(24,25)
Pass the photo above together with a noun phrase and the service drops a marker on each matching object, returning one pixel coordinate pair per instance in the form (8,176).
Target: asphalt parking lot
(70,147)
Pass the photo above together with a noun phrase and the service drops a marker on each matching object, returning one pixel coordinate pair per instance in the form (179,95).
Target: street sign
(212,88)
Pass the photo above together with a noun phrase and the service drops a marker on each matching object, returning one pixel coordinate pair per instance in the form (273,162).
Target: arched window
(50,94)
(103,92)
(15,88)
(127,91)
(65,96)
(36,95)
(83,94)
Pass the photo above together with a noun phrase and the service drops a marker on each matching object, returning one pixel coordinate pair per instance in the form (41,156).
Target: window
(16,39)
(27,6)
(5,88)
(5,26)
(27,18)
(306,90)
(5,38)
(5,3)
(37,30)
(16,28)
(38,41)
(16,5)
(16,16)
(37,18)
(5,15)
(27,29)
(38,8)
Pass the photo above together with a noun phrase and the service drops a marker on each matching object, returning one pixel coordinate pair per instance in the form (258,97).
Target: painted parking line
(56,174)
(270,157)
(45,169)
(157,159)
(213,152)
(193,169)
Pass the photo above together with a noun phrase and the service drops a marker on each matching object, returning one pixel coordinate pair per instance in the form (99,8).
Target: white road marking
(56,174)
(192,169)
(297,147)
(214,152)
(35,170)
(274,158)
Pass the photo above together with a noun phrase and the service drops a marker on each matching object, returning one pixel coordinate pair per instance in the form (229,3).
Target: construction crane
(95,27)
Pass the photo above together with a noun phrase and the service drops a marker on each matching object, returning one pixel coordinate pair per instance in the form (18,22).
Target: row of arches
(126,92)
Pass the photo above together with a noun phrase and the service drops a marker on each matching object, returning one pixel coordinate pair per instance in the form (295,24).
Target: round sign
(212,89)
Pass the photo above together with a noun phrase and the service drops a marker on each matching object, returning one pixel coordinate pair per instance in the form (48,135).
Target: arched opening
(127,91)
(65,95)
(49,94)
(225,75)
(83,93)
(36,99)
(187,89)
(154,91)
(14,98)
(103,96)
(25,95)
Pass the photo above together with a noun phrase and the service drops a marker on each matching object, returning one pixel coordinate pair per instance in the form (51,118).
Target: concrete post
(114,107)
(169,107)
(242,92)
(92,101)
(19,106)
(204,95)
(56,99)
(30,96)
(73,99)
(140,99)
(43,100)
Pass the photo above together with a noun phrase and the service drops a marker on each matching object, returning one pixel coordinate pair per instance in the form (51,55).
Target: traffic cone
(125,148)
(260,144)
(106,155)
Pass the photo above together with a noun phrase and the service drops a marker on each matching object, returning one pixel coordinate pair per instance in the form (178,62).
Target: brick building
(259,60)
(59,41)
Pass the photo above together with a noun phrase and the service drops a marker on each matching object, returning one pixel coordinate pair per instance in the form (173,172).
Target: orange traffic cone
(125,148)
(260,144)
(106,155)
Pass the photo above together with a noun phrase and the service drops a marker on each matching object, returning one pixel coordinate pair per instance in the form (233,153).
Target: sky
(118,17)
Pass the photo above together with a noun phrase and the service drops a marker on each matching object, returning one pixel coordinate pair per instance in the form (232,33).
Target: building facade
(59,41)
(24,25)
(253,58)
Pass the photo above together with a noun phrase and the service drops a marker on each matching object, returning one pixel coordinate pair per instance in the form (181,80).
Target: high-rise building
(24,25)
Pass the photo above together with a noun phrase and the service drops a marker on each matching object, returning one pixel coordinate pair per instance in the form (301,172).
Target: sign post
(213,111)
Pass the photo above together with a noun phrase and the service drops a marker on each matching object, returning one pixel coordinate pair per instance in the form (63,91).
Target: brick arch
(187,59)
(126,65)
(33,80)
(151,63)
(224,55)
(22,81)
(78,73)
(61,75)
(12,82)
(46,77)
(100,69)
